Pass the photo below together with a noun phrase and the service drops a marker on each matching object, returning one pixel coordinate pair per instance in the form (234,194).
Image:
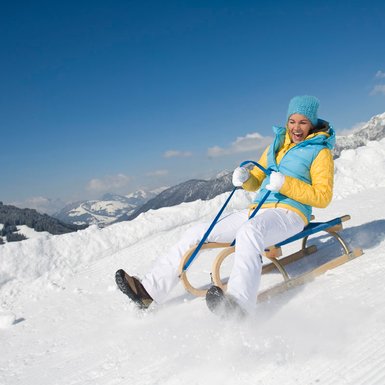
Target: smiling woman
(296,174)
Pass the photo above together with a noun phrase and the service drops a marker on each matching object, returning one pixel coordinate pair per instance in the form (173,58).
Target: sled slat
(290,258)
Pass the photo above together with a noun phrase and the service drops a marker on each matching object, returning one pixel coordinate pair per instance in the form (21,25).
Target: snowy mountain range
(116,208)
(188,191)
(106,210)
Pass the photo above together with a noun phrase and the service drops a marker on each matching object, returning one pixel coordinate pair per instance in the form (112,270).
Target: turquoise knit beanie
(304,105)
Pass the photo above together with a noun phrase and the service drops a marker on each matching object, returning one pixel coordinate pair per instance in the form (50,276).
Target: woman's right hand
(240,176)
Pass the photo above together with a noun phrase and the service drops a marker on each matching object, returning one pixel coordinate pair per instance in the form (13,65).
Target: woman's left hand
(276,181)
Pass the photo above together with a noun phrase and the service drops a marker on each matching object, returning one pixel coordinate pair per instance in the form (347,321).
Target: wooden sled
(274,254)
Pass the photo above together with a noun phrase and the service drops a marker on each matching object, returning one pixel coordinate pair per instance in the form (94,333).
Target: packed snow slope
(62,320)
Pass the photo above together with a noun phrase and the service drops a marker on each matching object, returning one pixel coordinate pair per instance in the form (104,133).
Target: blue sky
(100,96)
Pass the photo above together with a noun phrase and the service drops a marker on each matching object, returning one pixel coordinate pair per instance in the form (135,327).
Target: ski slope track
(63,321)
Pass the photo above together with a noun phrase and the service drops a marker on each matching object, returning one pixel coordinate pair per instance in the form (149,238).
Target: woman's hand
(276,181)
(240,176)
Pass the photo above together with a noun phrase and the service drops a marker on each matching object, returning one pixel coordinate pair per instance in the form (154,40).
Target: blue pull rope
(196,251)
(267,171)
(214,222)
(262,201)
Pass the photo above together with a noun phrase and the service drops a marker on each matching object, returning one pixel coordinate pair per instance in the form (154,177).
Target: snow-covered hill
(62,320)
(32,224)
(27,232)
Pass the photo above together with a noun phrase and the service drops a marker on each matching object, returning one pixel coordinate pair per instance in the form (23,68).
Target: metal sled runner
(274,254)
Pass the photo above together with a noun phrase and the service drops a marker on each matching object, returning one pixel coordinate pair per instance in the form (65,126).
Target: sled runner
(274,254)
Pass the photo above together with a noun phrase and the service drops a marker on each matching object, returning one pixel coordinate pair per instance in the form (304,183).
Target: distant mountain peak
(373,130)
(105,210)
(221,174)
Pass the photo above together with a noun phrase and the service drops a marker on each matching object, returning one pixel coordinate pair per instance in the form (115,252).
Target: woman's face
(299,127)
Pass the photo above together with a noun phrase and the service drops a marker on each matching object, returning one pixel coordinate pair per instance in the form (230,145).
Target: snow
(7,319)
(31,233)
(360,169)
(28,232)
(63,321)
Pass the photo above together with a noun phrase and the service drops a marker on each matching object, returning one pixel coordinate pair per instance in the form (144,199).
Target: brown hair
(321,126)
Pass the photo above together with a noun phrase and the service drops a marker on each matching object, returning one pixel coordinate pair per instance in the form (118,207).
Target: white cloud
(378,89)
(108,183)
(380,75)
(177,154)
(248,143)
(157,173)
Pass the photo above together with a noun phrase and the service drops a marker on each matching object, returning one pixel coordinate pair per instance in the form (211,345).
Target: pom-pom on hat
(304,105)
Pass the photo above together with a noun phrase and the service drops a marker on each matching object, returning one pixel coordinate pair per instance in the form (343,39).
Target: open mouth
(297,135)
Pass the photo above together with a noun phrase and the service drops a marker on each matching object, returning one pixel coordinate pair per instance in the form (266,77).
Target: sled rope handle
(214,222)
(267,172)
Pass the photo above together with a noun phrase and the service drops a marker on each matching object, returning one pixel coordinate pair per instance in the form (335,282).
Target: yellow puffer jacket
(317,194)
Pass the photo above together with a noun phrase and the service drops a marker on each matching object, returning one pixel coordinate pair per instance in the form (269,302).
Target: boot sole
(214,298)
(126,289)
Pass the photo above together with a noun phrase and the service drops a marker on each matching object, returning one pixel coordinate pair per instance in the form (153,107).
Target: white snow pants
(268,227)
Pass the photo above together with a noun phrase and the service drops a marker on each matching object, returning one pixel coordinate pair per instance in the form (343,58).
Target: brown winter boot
(132,287)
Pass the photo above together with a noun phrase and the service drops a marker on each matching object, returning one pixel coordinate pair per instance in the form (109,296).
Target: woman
(302,177)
